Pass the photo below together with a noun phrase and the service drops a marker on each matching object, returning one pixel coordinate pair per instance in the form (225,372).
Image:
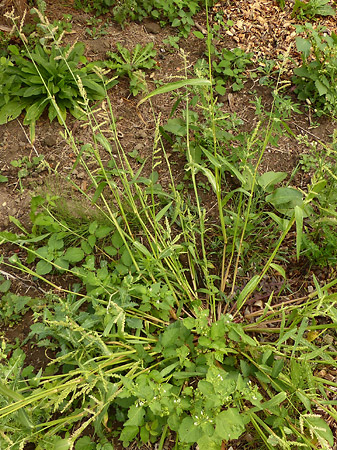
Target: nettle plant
(315,80)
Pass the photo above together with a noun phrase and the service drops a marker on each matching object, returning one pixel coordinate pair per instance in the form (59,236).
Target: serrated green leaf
(117,240)
(221,90)
(176,22)
(285,199)
(126,258)
(85,443)
(92,240)
(136,416)
(61,263)
(103,231)
(111,251)
(86,247)
(11,111)
(128,434)
(320,428)
(209,443)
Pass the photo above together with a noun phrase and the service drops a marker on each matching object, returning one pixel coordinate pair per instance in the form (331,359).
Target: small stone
(20,134)
(49,140)
(310,289)
(141,134)
(25,202)
(13,211)
(138,147)
(152,27)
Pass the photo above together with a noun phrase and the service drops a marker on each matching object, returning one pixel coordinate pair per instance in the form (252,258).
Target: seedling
(97,28)
(132,63)
(172,41)
(26,167)
(231,65)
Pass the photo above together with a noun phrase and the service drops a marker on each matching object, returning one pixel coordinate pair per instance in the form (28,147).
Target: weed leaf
(247,290)
(189,430)
(169,87)
(229,424)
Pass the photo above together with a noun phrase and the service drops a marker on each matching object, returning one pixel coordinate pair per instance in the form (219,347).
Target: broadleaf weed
(132,63)
(152,332)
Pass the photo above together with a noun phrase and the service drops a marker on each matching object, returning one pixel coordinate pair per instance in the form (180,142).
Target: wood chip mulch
(263,28)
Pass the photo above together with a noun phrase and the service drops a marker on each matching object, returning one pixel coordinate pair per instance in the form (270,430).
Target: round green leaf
(43,267)
(229,424)
(189,430)
(85,443)
(74,254)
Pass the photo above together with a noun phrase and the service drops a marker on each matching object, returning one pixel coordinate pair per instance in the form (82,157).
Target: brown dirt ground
(259,26)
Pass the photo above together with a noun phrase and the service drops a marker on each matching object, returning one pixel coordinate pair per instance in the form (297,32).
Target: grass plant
(149,332)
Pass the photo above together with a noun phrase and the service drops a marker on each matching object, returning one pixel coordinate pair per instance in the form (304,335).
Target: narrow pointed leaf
(169,87)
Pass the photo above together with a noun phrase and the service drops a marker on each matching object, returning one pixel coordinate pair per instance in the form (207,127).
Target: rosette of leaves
(132,64)
(47,79)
